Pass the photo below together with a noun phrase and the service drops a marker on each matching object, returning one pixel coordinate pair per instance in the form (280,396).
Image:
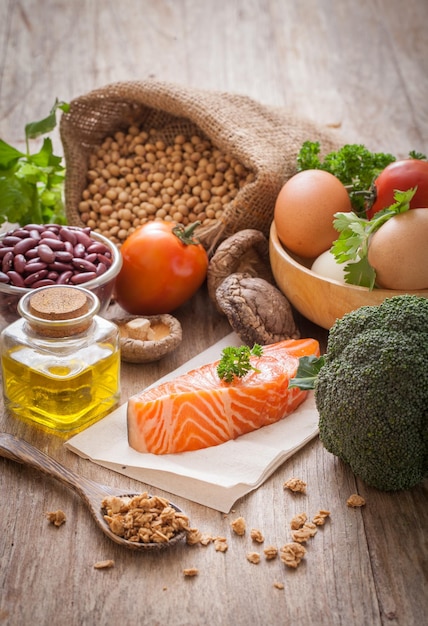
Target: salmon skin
(199,410)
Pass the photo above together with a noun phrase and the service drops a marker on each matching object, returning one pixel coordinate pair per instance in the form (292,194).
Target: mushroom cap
(138,347)
(257,311)
(247,251)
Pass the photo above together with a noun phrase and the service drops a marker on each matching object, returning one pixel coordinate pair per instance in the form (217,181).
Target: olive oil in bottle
(60,361)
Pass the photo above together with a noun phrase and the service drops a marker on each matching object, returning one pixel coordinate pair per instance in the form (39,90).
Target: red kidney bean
(36,227)
(50,234)
(16,278)
(46,253)
(11,240)
(64,278)
(35,266)
(54,244)
(98,247)
(69,236)
(23,245)
(58,266)
(79,250)
(4,251)
(101,268)
(7,262)
(43,283)
(79,279)
(34,234)
(103,258)
(32,254)
(20,232)
(63,256)
(69,247)
(31,278)
(35,255)
(19,263)
(83,238)
(84,265)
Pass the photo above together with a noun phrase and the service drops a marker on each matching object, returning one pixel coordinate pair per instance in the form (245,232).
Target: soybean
(136,177)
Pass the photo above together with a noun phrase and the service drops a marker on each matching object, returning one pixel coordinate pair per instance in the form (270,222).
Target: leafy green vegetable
(307,372)
(353,164)
(31,185)
(352,245)
(235,362)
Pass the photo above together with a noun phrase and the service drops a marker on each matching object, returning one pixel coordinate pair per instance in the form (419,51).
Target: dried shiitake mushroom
(247,251)
(257,311)
(146,339)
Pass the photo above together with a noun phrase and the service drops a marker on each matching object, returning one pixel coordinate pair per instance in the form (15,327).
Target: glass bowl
(102,286)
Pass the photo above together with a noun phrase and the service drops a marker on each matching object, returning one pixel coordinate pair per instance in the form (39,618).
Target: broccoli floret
(372,392)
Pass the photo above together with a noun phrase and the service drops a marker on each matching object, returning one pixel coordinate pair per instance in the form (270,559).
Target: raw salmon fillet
(198,410)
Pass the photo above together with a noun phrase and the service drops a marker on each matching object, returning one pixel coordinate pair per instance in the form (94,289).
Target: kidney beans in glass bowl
(46,254)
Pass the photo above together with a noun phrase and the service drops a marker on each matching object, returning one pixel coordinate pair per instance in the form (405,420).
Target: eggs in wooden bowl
(319,299)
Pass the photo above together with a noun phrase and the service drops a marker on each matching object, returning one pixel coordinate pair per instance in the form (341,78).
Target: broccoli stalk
(371,392)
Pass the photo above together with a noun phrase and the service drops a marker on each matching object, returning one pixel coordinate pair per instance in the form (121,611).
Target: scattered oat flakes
(298,521)
(220,544)
(193,536)
(278,585)
(206,539)
(57,518)
(270,553)
(191,571)
(355,500)
(257,536)
(239,526)
(108,563)
(292,553)
(253,557)
(304,533)
(295,484)
(143,518)
(320,518)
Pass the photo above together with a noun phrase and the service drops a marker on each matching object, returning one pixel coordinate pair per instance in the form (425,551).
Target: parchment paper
(215,477)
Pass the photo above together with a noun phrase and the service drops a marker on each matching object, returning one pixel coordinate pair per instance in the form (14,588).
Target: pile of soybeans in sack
(142,150)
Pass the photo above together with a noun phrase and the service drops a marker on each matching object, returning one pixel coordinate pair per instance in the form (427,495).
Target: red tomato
(401,176)
(163,266)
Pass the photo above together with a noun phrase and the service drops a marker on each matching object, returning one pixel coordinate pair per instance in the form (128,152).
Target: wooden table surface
(357,67)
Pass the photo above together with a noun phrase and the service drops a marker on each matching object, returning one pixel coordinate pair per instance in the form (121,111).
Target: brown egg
(398,251)
(304,212)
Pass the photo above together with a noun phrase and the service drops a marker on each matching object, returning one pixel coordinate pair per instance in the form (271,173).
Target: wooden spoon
(91,492)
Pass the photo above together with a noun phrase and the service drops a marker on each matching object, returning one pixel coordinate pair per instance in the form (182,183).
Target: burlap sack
(265,140)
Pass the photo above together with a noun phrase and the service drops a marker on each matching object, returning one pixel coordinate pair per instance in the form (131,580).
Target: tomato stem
(186,234)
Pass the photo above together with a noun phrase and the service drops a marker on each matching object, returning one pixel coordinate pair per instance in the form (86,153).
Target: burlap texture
(264,139)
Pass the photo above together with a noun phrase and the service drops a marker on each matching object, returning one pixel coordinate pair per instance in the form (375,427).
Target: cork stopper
(58,304)
(59,311)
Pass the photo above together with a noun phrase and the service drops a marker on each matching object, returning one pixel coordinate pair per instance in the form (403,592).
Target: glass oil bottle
(60,361)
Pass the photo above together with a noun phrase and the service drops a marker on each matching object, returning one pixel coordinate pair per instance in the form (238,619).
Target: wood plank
(356,66)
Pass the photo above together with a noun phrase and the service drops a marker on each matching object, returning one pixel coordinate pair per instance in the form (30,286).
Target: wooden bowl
(321,300)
